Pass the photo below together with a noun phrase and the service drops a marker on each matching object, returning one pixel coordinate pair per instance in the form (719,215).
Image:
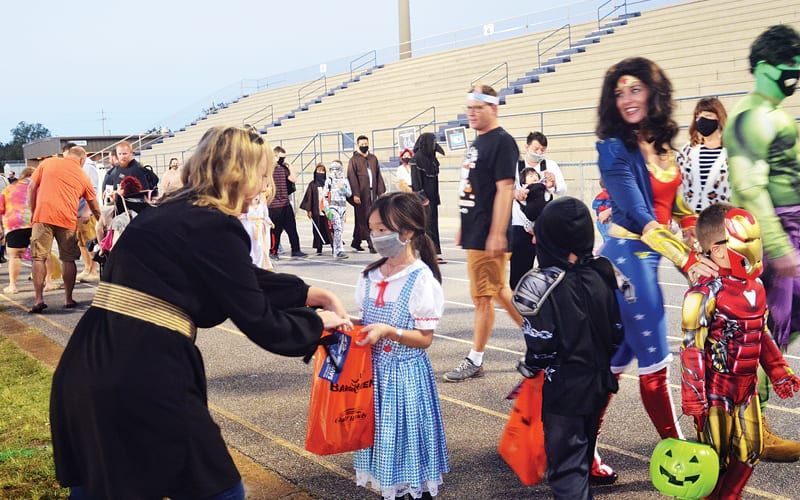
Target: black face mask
(319,178)
(363,149)
(790,76)
(405,160)
(281,160)
(706,126)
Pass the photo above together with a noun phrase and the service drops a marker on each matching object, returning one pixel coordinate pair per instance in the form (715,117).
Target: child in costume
(314,205)
(401,301)
(335,193)
(725,339)
(572,329)
(762,143)
(539,193)
(602,209)
(257,223)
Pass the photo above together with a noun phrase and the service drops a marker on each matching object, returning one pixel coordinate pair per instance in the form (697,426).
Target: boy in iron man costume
(725,339)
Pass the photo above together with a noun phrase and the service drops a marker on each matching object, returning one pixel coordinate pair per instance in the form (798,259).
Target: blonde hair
(225,166)
(123,145)
(26,172)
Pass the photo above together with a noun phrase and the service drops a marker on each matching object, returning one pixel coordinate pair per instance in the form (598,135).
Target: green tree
(21,134)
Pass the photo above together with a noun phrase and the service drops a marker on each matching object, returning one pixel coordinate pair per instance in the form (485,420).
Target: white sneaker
(80,276)
(90,278)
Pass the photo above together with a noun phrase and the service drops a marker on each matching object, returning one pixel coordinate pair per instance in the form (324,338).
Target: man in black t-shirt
(127,166)
(486,192)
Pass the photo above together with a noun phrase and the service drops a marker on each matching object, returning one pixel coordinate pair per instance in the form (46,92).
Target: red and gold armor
(725,340)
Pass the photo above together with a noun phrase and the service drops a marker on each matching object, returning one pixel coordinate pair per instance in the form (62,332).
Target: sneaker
(357,248)
(319,253)
(463,371)
(90,278)
(80,276)
(342,256)
(54,285)
(372,250)
(601,474)
(10,290)
(299,254)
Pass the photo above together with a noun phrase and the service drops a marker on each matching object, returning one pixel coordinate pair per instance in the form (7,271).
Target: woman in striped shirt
(704,161)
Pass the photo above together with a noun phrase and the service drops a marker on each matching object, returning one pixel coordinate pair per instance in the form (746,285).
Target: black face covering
(281,159)
(363,149)
(564,227)
(319,178)
(787,82)
(706,126)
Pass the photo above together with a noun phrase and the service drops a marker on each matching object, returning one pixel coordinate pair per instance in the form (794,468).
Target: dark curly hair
(780,44)
(658,124)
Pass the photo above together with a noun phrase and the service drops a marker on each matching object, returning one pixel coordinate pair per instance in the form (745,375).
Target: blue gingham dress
(409,454)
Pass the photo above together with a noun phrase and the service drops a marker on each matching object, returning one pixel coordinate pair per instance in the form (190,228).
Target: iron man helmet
(744,244)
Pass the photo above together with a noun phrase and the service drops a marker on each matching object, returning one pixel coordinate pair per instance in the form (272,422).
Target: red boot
(731,484)
(658,403)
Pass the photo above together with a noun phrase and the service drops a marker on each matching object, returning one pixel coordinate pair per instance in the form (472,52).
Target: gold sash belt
(135,304)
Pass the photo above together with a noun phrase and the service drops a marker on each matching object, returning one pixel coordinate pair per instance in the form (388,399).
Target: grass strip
(26,455)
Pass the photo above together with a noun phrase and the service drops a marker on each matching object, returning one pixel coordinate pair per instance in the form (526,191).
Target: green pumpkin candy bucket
(684,469)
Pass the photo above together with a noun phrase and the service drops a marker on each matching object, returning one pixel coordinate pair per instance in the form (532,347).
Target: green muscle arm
(747,137)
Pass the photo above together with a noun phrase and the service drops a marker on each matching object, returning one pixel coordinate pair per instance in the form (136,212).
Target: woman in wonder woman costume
(638,167)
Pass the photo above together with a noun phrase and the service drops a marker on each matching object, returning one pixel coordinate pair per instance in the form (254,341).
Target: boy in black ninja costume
(572,328)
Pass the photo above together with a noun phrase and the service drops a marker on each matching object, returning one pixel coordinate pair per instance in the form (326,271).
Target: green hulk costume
(762,143)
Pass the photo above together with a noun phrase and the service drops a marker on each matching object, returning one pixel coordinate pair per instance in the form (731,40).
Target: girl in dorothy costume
(401,301)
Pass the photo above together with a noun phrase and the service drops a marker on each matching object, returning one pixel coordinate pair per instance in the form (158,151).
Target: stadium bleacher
(553,90)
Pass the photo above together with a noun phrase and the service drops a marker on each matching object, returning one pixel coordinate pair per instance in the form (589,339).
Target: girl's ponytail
(427,253)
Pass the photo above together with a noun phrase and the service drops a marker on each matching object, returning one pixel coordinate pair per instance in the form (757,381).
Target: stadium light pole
(404,20)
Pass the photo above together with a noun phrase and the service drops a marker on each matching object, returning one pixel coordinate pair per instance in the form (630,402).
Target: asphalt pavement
(261,400)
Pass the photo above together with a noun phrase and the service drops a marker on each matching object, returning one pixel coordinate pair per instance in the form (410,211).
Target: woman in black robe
(128,408)
(425,182)
(316,210)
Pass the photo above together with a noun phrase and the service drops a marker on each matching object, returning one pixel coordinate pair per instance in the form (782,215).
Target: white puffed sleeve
(361,285)
(426,303)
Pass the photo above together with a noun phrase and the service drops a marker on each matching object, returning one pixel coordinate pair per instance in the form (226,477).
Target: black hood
(425,150)
(564,226)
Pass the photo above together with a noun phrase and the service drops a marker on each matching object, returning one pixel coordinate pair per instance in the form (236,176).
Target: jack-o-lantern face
(684,469)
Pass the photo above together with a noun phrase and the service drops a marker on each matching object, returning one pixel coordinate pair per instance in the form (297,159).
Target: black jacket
(572,328)
(116,174)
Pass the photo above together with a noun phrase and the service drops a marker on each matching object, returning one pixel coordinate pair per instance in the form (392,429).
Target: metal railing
(568,38)
(494,83)
(623,5)
(137,141)
(315,85)
(366,60)
(406,124)
(271,116)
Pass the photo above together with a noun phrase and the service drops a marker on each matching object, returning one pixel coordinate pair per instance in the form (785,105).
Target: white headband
(488,99)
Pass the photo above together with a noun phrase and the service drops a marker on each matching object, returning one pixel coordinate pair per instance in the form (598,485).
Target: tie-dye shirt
(14,206)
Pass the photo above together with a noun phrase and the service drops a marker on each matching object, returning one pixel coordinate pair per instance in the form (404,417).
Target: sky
(149,62)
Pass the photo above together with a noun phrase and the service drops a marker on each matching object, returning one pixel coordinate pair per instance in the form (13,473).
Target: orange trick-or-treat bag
(341,415)
(522,443)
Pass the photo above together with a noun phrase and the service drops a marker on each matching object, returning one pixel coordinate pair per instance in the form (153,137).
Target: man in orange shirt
(56,187)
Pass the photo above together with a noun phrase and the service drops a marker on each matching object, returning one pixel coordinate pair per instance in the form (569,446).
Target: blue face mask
(388,245)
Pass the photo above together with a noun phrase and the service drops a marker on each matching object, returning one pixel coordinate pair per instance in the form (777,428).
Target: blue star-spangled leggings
(644,318)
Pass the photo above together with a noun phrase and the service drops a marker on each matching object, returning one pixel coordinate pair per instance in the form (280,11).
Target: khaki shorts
(487,275)
(86,231)
(42,242)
